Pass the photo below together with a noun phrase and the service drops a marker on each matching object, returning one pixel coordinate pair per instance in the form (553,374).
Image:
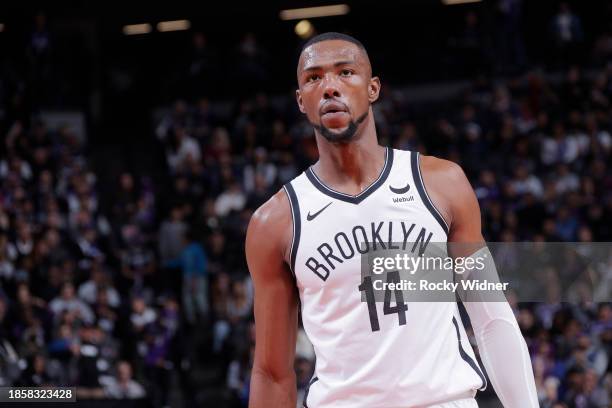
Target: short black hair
(332,35)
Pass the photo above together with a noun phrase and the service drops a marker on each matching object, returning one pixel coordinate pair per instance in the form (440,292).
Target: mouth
(333,108)
(334,114)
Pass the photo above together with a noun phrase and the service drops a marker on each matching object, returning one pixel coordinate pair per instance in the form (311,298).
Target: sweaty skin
(338,72)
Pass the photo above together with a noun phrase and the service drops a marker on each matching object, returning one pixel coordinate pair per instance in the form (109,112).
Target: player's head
(336,87)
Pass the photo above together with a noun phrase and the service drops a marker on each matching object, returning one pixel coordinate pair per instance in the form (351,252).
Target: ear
(373,89)
(298,98)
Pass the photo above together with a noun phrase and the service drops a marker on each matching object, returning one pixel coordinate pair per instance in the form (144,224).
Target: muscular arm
(502,347)
(268,238)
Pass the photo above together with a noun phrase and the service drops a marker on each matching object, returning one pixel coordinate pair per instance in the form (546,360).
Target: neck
(353,166)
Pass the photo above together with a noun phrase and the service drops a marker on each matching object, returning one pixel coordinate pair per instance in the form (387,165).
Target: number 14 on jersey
(400,307)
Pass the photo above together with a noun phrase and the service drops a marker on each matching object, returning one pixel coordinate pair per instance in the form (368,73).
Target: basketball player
(302,251)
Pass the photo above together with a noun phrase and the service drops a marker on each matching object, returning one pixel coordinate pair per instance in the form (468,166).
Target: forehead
(329,52)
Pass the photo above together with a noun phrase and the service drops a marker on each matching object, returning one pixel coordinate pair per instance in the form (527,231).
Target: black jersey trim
(465,356)
(354,199)
(415,160)
(312,381)
(297,224)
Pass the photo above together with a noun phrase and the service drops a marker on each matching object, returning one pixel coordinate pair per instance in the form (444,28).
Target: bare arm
(273,382)
(500,342)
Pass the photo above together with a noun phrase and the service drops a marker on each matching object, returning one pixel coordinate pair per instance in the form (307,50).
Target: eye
(346,72)
(312,78)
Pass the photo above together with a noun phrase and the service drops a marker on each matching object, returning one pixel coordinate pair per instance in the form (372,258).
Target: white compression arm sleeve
(502,347)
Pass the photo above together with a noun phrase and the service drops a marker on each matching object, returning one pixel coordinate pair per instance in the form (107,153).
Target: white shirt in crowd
(88,291)
(60,305)
(188,148)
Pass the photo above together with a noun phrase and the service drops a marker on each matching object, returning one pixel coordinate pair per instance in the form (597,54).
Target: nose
(330,89)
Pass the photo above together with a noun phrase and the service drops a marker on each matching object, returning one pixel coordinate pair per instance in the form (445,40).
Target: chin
(336,126)
(338,130)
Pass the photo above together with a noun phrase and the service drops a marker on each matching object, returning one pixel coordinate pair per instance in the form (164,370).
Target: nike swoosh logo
(401,190)
(310,217)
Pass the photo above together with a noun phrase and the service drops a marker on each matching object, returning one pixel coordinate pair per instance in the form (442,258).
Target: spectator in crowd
(125,199)
(182,151)
(90,290)
(239,375)
(88,363)
(232,199)
(260,167)
(69,303)
(549,395)
(36,374)
(193,264)
(142,315)
(525,183)
(122,385)
(171,232)
(137,261)
(567,32)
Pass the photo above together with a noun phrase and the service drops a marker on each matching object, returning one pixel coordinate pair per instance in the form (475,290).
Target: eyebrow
(336,64)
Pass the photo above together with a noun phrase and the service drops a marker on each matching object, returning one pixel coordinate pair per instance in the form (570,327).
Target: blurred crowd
(146,294)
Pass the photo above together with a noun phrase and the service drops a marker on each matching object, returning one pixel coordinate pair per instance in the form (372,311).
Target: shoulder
(270,227)
(445,171)
(275,211)
(444,176)
(448,187)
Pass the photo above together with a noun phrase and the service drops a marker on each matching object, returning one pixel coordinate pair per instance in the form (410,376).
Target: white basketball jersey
(364,357)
